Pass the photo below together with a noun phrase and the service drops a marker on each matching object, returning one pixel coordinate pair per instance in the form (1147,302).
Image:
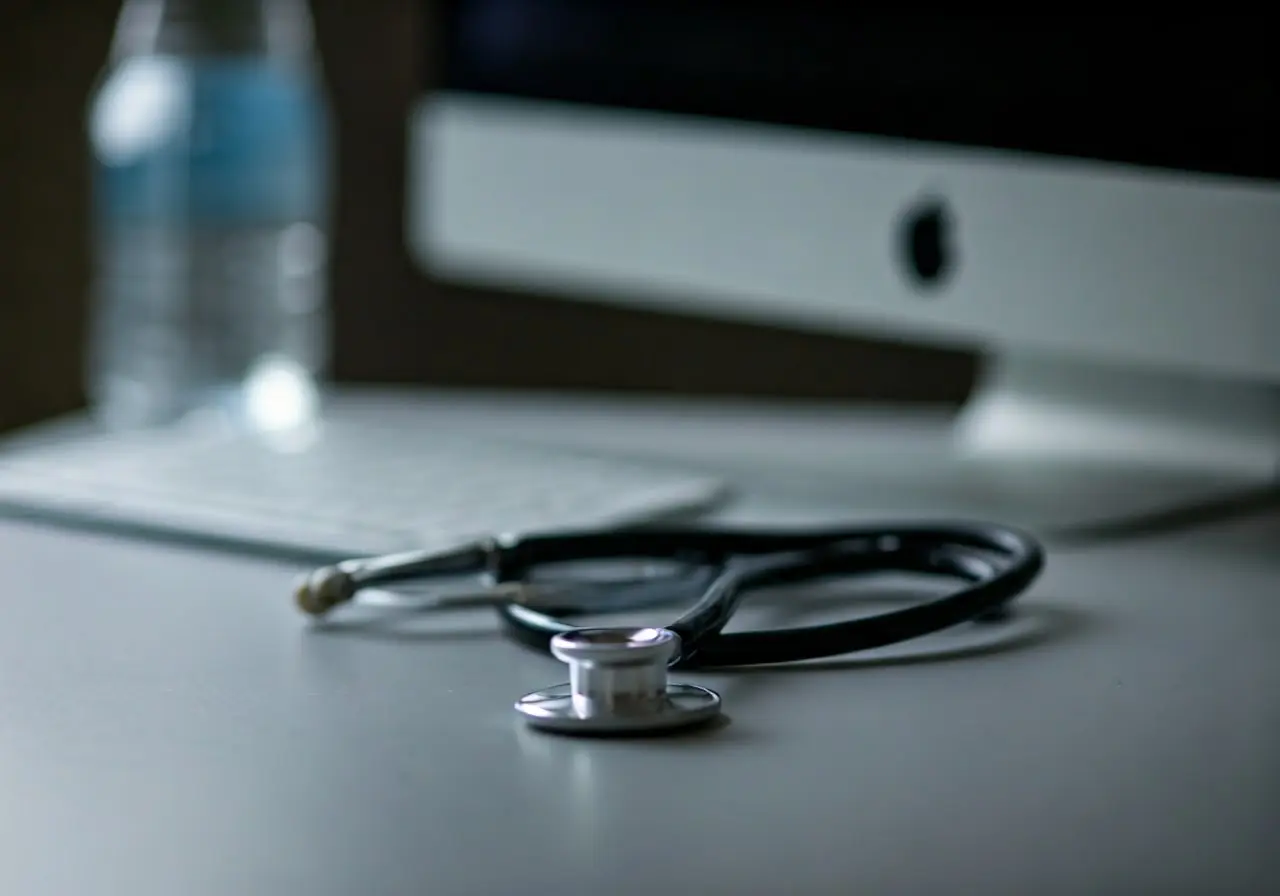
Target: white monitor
(1119,265)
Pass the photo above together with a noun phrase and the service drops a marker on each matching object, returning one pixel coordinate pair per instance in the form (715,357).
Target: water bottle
(210,141)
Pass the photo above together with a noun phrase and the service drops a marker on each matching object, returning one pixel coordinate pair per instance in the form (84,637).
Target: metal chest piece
(617,685)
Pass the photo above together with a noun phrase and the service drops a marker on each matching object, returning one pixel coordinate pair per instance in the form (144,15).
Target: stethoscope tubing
(995,564)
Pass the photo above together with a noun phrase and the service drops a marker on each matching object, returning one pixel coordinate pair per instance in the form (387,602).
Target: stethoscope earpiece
(324,589)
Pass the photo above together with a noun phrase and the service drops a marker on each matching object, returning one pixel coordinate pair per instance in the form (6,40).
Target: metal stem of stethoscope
(330,586)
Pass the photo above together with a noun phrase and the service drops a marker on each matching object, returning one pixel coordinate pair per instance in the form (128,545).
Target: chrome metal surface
(617,684)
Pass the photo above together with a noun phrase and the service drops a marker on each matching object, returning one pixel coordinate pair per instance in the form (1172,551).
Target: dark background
(392,323)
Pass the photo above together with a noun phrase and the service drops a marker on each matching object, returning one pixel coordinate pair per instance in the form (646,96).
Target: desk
(168,725)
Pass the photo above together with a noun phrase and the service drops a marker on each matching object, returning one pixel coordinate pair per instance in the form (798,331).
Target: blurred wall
(392,323)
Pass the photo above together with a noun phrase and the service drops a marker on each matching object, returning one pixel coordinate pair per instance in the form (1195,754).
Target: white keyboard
(363,486)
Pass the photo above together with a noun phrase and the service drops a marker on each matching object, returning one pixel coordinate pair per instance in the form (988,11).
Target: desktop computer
(1092,202)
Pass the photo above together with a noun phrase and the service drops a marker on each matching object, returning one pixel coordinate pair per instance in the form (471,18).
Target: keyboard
(364,484)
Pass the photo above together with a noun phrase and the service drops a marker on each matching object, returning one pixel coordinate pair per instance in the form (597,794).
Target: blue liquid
(210,194)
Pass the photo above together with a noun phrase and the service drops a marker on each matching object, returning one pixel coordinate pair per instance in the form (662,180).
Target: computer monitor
(1092,202)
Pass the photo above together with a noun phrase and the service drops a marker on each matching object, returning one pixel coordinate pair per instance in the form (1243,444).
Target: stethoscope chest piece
(617,685)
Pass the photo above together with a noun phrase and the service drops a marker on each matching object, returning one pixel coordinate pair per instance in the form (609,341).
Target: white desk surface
(168,725)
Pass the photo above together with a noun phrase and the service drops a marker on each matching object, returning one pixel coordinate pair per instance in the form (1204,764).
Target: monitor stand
(1061,442)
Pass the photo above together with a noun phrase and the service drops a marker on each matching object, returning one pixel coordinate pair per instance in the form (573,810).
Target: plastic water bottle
(210,142)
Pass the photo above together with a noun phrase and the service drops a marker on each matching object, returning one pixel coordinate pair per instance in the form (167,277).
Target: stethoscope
(618,680)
